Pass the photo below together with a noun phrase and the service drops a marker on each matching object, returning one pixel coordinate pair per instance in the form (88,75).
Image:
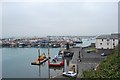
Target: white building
(107,41)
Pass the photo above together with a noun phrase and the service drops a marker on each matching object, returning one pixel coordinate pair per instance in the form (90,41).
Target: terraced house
(106,43)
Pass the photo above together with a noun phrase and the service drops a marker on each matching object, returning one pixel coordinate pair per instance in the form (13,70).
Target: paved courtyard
(88,60)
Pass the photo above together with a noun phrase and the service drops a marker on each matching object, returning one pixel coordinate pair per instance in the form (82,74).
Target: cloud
(66,18)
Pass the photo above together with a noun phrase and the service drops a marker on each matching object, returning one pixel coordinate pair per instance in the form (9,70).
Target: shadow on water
(50,72)
(55,69)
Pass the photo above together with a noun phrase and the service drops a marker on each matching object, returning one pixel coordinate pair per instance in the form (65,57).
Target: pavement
(88,60)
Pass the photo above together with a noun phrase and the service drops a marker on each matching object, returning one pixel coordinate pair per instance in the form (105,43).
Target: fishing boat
(67,53)
(41,59)
(56,62)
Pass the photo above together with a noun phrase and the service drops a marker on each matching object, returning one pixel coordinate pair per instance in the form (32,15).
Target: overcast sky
(28,19)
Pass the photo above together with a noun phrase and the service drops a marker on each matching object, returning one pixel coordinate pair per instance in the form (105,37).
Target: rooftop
(111,36)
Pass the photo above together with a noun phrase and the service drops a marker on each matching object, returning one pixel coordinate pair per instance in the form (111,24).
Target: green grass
(90,50)
(108,68)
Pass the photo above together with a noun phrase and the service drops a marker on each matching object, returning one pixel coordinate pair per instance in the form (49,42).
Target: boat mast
(48,62)
(63,56)
(48,55)
(39,55)
(39,60)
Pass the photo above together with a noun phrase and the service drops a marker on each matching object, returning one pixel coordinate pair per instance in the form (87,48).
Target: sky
(29,19)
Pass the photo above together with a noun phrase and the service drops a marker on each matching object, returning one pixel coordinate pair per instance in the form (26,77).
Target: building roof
(112,36)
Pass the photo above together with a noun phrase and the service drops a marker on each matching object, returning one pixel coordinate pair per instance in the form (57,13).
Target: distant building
(107,42)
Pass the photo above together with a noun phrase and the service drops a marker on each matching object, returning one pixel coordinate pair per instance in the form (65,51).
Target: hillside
(108,68)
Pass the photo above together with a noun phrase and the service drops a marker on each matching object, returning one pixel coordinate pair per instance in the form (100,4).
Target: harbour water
(16,62)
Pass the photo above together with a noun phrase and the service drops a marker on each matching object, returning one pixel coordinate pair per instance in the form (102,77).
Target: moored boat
(67,53)
(41,59)
(39,62)
(56,62)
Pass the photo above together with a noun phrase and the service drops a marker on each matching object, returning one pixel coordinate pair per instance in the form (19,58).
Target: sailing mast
(48,62)
(39,60)
(63,56)
(39,54)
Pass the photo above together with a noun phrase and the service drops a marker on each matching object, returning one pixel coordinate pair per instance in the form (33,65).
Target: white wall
(104,43)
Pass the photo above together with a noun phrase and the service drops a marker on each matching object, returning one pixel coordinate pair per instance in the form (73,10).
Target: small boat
(39,62)
(66,53)
(56,62)
(77,41)
(41,59)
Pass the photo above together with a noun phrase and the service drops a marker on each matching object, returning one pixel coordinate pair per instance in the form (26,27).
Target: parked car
(103,54)
(69,74)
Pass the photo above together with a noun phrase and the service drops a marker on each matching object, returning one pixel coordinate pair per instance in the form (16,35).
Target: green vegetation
(108,68)
(90,49)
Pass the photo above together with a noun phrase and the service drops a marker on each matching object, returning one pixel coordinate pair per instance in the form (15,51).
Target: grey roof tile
(112,36)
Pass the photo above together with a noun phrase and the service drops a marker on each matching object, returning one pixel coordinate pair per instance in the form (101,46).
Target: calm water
(16,62)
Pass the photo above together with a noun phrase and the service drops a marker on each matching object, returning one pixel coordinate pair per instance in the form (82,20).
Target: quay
(88,60)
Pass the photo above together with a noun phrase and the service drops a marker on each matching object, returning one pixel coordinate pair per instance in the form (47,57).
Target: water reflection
(59,70)
(50,72)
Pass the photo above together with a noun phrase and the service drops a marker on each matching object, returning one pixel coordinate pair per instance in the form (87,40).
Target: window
(113,39)
(108,48)
(100,43)
(102,39)
(107,43)
(113,43)
(107,39)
